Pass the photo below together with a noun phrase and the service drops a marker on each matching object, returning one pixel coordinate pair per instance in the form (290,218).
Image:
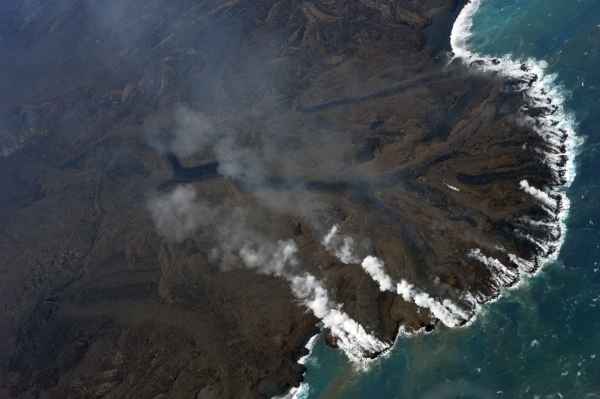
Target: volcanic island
(191,190)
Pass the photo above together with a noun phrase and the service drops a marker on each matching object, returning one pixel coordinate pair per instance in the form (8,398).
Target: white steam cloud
(446,311)
(350,336)
(281,260)
(341,247)
(277,260)
(194,131)
(538,194)
(184,132)
(376,269)
(178,214)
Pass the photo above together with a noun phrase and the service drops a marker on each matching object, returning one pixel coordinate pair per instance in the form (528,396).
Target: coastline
(544,111)
(349,94)
(303,389)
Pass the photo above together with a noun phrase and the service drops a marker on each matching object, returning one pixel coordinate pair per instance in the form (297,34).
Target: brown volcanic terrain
(319,113)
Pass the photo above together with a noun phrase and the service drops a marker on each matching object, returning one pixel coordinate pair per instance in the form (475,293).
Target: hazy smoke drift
(341,247)
(242,155)
(281,261)
(277,260)
(446,311)
(184,132)
(179,214)
(194,132)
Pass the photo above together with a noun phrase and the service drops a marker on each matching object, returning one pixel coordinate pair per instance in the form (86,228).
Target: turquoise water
(542,340)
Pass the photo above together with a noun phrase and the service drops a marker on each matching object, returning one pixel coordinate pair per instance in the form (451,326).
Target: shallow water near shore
(541,340)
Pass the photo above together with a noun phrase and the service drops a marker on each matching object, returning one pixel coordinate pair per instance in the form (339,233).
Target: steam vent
(191,189)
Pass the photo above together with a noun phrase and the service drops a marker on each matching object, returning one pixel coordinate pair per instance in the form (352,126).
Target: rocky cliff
(281,119)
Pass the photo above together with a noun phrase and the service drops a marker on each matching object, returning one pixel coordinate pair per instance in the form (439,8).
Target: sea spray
(553,123)
(302,390)
(350,335)
(556,126)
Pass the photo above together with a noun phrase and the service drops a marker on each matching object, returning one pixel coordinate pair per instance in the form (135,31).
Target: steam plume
(281,261)
(178,214)
(341,247)
(446,311)
(375,268)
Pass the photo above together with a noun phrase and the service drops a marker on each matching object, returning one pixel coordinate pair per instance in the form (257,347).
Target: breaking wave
(546,114)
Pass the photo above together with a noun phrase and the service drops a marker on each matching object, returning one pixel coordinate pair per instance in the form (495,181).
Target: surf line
(544,112)
(550,120)
(554,124)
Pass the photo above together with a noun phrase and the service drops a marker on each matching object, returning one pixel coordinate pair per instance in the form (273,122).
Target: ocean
(542,339)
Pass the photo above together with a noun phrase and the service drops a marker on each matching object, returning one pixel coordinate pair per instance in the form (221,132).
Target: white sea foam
(303,390)
(462,30)
(556,126)
(350,336)
(524,266)
(300,392)
(545,112)
(553,123)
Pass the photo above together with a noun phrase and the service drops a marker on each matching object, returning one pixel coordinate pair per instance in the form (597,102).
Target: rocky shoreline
(543,111)
(167,155)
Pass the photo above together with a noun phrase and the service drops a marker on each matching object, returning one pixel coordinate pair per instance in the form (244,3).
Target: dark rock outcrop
(95,303)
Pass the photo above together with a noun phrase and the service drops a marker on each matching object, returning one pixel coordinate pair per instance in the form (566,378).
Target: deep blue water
(542,340)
